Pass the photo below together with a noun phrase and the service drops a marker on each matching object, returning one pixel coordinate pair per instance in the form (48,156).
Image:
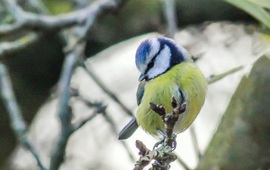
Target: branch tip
(159,109)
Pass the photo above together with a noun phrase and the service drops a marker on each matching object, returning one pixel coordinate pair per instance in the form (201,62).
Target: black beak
(142,77)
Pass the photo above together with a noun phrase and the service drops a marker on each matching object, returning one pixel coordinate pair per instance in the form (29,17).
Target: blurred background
(224,35)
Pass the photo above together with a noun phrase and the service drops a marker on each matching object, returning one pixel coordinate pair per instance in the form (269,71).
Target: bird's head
(155,56)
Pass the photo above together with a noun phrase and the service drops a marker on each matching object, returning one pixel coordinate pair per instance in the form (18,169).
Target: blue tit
(166,70)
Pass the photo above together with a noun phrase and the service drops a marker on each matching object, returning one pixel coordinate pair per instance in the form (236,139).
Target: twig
(146,156)
(26,40)
(99,109)
(162,155)
(30,20)
(213,78)
(38,6)
(195,142)
(7,48)
(81,124)
(182,162)
(15,115)
(106,89)
(6,29)
(169,119)
(114,129)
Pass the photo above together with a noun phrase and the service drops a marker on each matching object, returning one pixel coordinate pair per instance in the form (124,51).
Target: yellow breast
(185,76)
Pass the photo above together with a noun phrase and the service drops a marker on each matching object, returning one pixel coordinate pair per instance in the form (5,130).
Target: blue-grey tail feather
(129,129)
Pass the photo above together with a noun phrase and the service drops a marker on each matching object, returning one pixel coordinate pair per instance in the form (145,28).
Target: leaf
(254,10)
(261,3)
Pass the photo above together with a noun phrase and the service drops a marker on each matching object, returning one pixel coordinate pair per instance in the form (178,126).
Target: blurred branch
(38,6)
(109,119)
(34,21)
(114,98)
(74,49)
(26,40)
(195,142)
(99,108)
(80,23)
(19,44)
(170,16)
(106,89)
(171,19)
(182,162)
(213,78)
(15,115)
(65,111)
(10,28)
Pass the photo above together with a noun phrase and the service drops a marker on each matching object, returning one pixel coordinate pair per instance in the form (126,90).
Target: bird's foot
(166,140)
(163,134)
(174,143)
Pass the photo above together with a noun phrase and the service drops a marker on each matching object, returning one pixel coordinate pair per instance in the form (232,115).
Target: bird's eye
(151,64)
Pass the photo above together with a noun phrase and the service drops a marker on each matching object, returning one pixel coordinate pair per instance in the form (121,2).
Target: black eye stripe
(152,62)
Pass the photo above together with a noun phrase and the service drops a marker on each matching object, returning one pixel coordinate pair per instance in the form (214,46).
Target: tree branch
(75,50)
(45,22)
(195,143)
(170,16)
(65,111)
(15,115)
(213,78)
(109,119)
(81,20)
(99,108)
(19,44)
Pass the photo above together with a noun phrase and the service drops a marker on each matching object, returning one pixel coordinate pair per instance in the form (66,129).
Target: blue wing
(132,126)
(140,92)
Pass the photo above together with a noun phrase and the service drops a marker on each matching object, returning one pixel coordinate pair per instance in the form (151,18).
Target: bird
(167,71)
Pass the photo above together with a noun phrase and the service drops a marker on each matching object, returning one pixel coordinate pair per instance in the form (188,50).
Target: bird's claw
(165,139)
(174,144)
(158,143)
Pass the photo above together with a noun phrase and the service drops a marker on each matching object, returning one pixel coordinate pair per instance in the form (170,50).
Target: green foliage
(259,9)
(261,3)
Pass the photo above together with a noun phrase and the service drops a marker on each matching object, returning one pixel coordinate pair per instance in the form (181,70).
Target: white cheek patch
(162,63)
(154,49)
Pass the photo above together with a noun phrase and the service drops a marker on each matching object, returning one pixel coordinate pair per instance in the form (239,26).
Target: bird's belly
(186,77)
(160,94)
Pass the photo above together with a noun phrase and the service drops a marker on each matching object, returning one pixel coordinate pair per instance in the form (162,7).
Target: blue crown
(141,53)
